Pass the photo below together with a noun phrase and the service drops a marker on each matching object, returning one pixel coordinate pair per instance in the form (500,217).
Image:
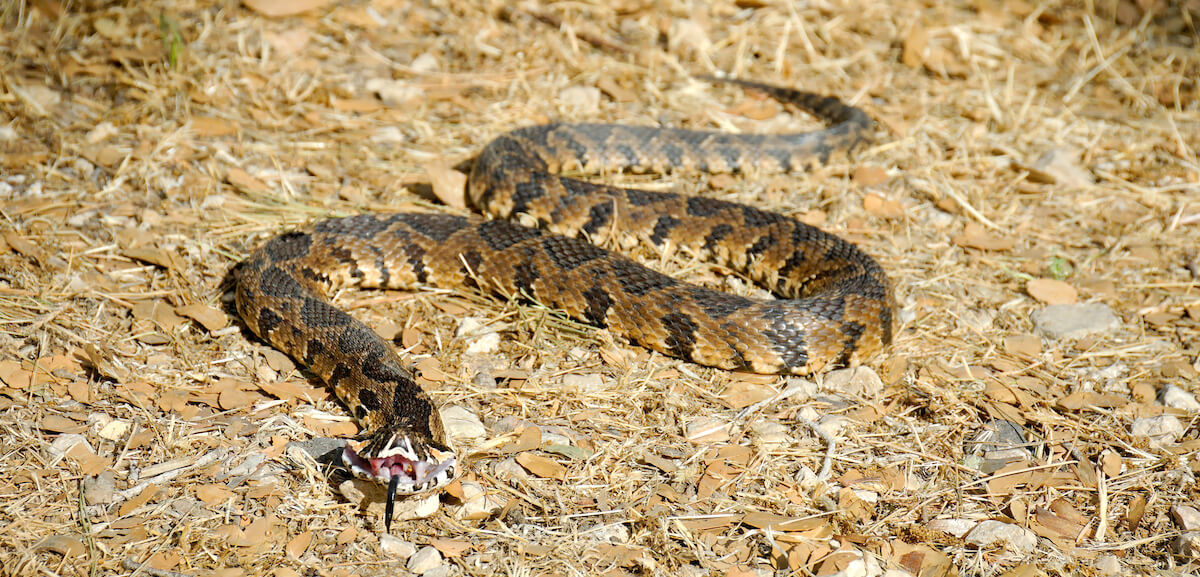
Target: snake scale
(834,306)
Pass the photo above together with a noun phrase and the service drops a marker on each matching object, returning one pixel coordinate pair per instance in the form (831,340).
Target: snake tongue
(391,503)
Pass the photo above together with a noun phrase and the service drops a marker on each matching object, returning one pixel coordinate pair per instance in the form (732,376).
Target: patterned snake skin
(835,302)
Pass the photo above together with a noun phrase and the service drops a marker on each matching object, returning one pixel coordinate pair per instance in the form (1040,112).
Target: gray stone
(1187,545)
(857,381)
(1015,539)
(1186,517)
(396,546)
(1075,320)
(321,449)
(1160,430)
(425,559)
(100,490)
(461,423)
(1177,398)
(440,571)
(1108,566)
(956,527)
(477,503)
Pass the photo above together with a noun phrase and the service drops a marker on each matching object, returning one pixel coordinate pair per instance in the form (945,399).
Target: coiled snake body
(835,302)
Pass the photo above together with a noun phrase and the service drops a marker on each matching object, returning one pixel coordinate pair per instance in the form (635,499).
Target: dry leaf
(246,182)
(211,318)
(1052,292)
(741,394)
(208,126)
(868,175)
(280,8)
(542,466)
(449,185)
(878,206)
(975,236)
(213,494)
(299,545)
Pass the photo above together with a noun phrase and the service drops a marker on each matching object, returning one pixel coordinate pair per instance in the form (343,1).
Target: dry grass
(147,148)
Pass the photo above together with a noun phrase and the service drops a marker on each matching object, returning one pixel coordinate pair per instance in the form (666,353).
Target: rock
(67,441)
(439,571)
(461,423)
(832,425)
(424,63)
(1177,398)
(321,449)
(409,508)
(483,339)
(956,527)
(115,429)
(394,92)
(424,559)
(771,435)
(483,345)
(508,469)
(1161,430)
(1075,320)
(857,381)
(477,503)
(354,490)
(1108,566)
(1186,517)
(582,383)
(1015,539)
(396,546)
(610,533)
(1187,545)
(100,490)
(800,389)
(999,442)
(580,100)
(1059,166)
(708,430)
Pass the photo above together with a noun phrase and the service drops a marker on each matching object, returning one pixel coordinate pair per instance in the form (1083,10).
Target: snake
(832,305)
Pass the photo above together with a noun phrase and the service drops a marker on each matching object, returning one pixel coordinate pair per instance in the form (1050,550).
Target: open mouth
(401,470)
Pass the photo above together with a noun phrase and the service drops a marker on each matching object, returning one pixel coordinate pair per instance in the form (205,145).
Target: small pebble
(439,571)
(1187,545)
(424,559)
(1015,538)
(580,100)
(396,546)
(1075,320)
(955,527)
(582,383)
(477,503)
(67,441)
(1177,398)
(857,381)
(1186,517)
(1160,430)
(461,423)
(509,469)
(100,490)
(1108,566)
(771,435)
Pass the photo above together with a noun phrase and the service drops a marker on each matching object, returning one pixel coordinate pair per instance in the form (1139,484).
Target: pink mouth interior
(383,467)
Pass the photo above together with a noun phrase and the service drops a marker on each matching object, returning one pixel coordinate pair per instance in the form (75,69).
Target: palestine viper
(835,302)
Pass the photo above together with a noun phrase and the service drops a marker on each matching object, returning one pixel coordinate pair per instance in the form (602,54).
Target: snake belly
(834,304)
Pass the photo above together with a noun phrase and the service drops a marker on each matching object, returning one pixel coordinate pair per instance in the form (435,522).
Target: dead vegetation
(1027,154)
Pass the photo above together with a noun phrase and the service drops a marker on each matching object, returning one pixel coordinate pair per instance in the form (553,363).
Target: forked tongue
(391,503)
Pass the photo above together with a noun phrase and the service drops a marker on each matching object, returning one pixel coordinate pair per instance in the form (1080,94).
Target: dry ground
(146,148)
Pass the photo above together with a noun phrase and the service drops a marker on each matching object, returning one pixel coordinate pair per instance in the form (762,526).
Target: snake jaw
(403,470)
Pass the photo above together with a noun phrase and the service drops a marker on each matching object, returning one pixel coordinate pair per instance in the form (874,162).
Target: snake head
(405,467)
